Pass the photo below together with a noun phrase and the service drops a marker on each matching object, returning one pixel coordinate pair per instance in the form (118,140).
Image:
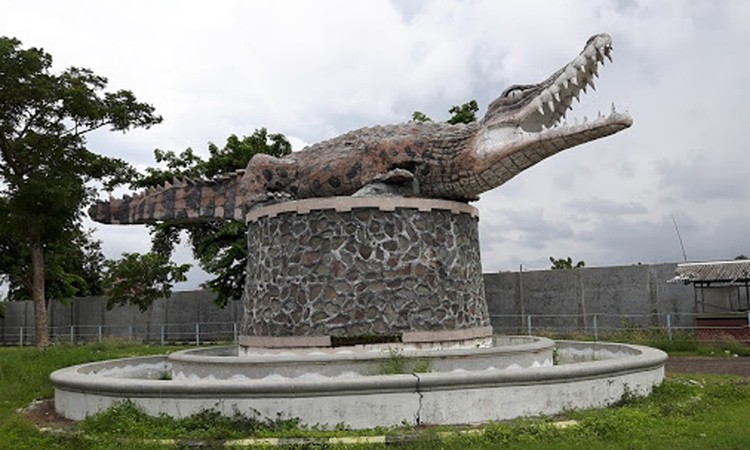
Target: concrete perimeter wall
(556,299)
(620,297)
(172,319)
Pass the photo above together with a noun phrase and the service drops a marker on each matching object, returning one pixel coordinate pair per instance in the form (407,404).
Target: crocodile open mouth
(550,106)
(544,106)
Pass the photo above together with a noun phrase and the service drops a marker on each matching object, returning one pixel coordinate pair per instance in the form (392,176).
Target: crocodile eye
(514,92)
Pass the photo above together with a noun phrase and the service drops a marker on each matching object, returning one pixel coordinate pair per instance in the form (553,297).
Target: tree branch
(83,131)
(9,155)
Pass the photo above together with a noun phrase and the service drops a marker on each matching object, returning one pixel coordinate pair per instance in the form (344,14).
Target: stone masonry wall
(358,271)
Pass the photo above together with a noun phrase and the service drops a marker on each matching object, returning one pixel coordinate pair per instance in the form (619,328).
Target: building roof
(719,271)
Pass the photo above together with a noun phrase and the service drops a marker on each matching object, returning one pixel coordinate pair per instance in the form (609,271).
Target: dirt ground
(708,364)
(42,412)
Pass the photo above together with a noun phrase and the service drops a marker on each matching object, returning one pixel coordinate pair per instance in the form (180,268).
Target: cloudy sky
(316,69)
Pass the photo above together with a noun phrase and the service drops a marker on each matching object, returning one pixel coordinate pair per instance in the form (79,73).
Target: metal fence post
(234,332)
(596,329)
(161,335)
(20,333)
(197,334)
(72,337)
(528,323)
(669,326)
(99,334)
(748,321)
(130,332)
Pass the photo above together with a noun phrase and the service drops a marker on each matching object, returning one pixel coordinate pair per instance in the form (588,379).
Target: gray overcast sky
(316,69)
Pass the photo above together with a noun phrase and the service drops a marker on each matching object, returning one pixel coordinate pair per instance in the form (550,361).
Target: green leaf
(139,279)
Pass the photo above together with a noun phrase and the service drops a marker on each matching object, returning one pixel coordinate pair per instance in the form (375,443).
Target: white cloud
(312,70)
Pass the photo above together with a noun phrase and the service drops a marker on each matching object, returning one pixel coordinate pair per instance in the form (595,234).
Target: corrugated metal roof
(726,271)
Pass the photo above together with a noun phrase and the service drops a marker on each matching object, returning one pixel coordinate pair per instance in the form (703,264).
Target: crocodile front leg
(268,178)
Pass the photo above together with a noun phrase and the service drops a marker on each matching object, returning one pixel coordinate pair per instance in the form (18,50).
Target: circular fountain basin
(514,377)
(502,352)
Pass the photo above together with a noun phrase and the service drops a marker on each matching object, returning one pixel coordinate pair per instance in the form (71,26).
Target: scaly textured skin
(433,160)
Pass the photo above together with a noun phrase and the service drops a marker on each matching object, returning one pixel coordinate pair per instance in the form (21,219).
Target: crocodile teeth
(593,86)
(537,104)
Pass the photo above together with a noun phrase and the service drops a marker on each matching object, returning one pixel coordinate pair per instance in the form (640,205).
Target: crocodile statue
(423,159)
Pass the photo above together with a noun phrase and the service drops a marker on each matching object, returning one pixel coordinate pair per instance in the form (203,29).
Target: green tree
(220,246)
(72,266)
(566,263)
(139,279)
(44,160)
(419,116)
(465,113)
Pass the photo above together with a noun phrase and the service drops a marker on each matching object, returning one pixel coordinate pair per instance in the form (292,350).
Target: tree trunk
(37,292)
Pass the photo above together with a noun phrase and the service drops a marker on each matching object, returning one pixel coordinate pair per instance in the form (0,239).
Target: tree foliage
(220,247)
(44,159)
(419,116)
(565,263)
(139,279)
(465,113)
(73,266)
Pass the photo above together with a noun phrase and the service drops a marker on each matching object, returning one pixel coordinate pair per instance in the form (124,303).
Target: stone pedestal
(375,268)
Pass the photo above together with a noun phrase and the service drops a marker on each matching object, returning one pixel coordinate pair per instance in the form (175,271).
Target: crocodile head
(525,124)
(533,108)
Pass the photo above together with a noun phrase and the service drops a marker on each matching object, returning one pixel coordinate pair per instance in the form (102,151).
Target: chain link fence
(604,326)
(578,326)
(197,333)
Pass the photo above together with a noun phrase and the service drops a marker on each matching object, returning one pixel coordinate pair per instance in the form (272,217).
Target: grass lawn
(685,412)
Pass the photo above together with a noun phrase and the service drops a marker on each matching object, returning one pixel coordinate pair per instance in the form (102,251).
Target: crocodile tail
(185,200)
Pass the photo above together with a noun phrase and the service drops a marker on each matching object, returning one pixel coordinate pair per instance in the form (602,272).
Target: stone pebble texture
(364,272)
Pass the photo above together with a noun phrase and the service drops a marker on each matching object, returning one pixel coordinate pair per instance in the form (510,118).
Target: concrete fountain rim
(81,379)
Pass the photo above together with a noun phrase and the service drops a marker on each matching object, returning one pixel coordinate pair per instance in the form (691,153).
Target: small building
(722,298)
